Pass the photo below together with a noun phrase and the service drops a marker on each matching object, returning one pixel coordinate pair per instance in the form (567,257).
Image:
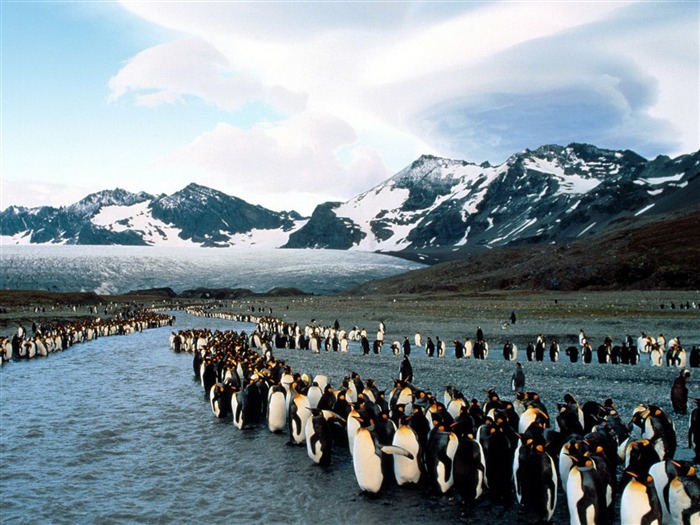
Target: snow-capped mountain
(550,195)
(193,216)
(553,194)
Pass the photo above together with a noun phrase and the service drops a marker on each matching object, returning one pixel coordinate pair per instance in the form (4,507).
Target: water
(116,431)
(118,269)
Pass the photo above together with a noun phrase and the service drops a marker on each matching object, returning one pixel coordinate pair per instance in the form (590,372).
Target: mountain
(646,253)
(432,210)
(193,216)
(550,195)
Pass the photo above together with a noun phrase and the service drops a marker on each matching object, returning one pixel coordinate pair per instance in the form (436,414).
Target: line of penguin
(504,449)
(280,334)
(49,338)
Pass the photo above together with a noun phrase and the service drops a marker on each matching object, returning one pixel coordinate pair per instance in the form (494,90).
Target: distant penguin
(277,408)
(640,502)
(366,458)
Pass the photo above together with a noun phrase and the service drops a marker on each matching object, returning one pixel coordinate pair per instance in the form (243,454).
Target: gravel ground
(555,315)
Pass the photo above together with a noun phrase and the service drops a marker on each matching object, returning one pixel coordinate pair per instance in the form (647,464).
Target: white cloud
(469,80)
(168,72)
(32,193)
(299,154)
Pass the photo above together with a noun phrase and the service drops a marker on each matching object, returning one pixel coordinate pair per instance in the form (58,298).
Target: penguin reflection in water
(367,457)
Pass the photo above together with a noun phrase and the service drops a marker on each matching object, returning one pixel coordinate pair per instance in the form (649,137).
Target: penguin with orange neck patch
(367,457)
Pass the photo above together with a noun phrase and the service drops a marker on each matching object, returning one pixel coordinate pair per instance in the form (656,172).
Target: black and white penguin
(640,502)
(328,398)
(585,493)
(299,412)
(220,399)
(367,460)
(239,408)
(498,453)
(439,458)
(530,463)
(469,467)
(407,470)
(319,437)
(574,446)
(694,430)
(657,427)
(277,408)
(663,473)
(314,393)
(684,500)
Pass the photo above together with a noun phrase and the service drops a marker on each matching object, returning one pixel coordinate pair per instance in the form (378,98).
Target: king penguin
(640,502)
(366,457)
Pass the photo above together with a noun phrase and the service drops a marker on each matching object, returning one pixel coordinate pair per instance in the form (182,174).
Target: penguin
(663,473)
(498,454)
(407,470)
(314,394)
(684,500)
(321,380)
(533,463)
(366,457)
(656,426)
(419,423)
(220,398)
(585,494)
(456,403)
(353,425)
(575,446)
(439,458)
(277,409)
(298,414)
(530,416)
(238,408)
(640,502)
(254,401)
(319,438)
(694,430)
(328,398)
(468,468)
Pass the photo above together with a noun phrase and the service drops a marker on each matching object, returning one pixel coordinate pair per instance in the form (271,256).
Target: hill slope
(644,254)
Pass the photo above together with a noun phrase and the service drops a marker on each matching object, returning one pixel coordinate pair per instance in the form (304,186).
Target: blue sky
(290,104)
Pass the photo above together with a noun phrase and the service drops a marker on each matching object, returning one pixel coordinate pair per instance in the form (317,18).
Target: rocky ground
(554,314)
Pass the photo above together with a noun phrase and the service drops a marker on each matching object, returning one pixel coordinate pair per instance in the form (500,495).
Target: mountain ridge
(433,209)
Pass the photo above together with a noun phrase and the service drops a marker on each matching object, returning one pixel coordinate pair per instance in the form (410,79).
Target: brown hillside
(645,255)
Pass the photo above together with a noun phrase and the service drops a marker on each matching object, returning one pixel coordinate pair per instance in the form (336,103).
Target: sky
(288,104)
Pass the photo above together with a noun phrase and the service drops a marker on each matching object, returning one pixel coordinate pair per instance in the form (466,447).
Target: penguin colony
(496,448)
(316,337)
(49,338)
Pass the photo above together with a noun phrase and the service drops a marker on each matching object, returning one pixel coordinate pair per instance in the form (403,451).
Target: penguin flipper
(392,449)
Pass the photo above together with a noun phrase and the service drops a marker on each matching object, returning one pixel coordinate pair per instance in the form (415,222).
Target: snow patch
(660,180)
(586,229)
(646,208)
